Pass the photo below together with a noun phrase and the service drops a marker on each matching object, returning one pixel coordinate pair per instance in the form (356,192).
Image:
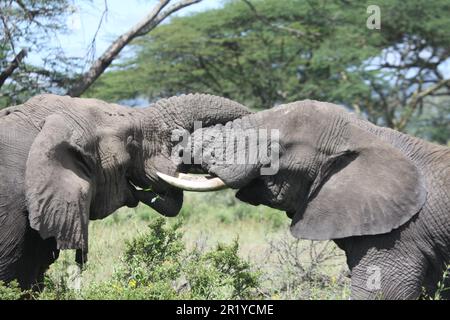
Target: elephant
(381,195)
(65,161)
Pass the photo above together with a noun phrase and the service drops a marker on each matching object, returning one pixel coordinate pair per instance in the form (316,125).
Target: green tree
(433,121)
(266,52)
(27,25)
(234,53)
(25,28)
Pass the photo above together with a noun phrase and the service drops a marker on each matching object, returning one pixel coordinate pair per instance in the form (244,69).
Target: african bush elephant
(381,195)
(65,161)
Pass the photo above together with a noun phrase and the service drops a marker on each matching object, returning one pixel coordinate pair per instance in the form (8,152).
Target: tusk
(190,182)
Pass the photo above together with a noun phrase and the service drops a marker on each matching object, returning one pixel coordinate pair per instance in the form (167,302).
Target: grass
(286,268)
(219,248)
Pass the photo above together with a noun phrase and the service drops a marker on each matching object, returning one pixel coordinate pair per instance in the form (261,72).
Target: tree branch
(293,31)
(30,14)
(416,98)
(13,65)
(143,27)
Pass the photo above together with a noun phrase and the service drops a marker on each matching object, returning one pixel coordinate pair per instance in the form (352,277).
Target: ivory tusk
(190,182)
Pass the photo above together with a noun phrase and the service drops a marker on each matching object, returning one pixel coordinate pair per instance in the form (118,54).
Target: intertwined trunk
(183,111)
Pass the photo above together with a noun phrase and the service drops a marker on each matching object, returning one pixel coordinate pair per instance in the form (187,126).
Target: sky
(121,15)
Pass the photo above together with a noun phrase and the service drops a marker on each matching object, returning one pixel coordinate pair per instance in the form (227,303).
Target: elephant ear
(58,186)
(369,188)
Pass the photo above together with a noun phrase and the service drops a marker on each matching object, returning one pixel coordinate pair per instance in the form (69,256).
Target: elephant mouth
(163,198)
(141,193)
(135,187)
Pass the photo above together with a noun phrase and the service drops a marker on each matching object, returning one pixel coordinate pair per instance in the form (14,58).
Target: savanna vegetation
(260,53)
(217,248)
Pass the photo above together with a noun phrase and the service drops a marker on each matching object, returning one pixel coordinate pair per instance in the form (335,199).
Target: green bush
(156,265)
(57,286)
(10,291)
(222,274)
(154,256)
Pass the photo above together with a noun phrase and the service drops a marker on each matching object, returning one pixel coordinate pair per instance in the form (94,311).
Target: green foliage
(442,286)
(169,259)
(221,269)
(58,286)
(433,122)
(154,256)
(28,24)
(232,53)
(135,254)
(292,50)
(156,265)
(163,263)
(10,291)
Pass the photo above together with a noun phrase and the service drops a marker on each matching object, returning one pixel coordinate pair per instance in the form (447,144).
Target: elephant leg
(390,275)
(386,266)
(38,255)
(24,255)
(13,229)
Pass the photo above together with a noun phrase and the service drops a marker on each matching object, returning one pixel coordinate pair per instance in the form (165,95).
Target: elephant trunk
(230,153)
(183,111)
(160,121)
(157,123)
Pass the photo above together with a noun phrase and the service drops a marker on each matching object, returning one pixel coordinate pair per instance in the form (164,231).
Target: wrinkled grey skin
(382,196)
(65,161)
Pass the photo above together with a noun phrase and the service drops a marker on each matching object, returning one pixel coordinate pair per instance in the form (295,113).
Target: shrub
(300,269)
(222,274)
(10,291)
(60,285)
(156,265)
(154,256)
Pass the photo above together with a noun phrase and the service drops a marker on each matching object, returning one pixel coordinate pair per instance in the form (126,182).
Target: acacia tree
(266,52)
(153,19)
(27,26)
(411,69)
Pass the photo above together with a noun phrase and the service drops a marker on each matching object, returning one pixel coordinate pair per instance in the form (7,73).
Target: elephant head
(335,176)
(89,158)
